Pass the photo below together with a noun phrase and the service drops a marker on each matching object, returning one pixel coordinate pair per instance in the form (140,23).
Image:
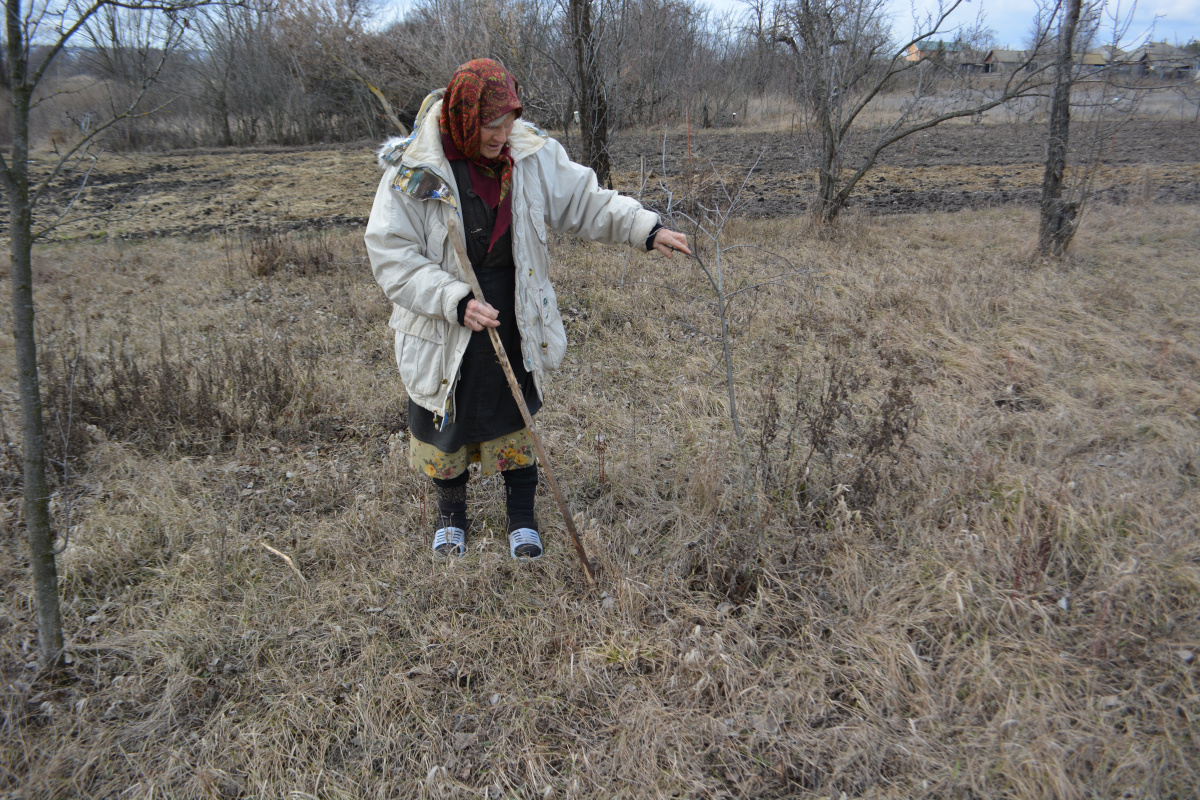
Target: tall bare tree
(403,62)
(240,77)
(1057,221)
(1089,103)
(844,58)
(156,34)
(592,97)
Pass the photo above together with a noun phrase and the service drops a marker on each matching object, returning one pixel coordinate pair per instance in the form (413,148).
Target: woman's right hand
(480,315)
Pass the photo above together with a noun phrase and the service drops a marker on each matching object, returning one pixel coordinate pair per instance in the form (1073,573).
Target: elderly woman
(471,157)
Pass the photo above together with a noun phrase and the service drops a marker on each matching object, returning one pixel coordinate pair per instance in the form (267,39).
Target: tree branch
(129,113)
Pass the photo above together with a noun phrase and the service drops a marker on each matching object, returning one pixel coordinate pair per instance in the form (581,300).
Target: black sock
(452,501)
(520,487)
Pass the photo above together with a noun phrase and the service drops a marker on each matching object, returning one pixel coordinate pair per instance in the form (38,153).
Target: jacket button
(444,380)
(543,347)
(531,272)
(483,238)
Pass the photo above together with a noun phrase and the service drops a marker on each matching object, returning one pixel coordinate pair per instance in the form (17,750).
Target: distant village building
(949,52)
(1092,62)
(1004,61)
(1162,60)
(1110,53)
(1151,60)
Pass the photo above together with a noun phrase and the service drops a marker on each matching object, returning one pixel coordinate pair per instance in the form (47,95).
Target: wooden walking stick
(456,237)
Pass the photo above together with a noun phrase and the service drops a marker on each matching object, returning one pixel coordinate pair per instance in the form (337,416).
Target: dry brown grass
(1010,615)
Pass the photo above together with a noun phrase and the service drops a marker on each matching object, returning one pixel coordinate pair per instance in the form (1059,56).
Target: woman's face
(494,135)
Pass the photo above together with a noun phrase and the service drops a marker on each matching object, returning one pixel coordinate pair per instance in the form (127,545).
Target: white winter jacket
(416,265)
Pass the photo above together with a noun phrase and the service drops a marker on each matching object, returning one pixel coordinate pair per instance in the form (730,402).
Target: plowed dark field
(948,168)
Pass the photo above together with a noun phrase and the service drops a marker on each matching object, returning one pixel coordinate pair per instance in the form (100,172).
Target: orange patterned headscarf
(479,92)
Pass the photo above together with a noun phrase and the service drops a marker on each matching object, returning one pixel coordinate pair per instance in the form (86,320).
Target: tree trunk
(221,118)
(36,491)
(593,106)
(1057,223)
(828,201)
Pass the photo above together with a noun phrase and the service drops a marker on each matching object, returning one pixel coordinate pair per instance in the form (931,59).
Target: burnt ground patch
(953,167)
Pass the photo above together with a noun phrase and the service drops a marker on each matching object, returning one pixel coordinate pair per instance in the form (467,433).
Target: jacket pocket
(537,219)
(435,246)
(551,344)
(419,344)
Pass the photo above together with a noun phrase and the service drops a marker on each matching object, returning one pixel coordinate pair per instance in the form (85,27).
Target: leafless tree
(1089,104)
(156,31)
(844,61)
(1057,220)
(591,95)
(308,70)
(408,59)
(240,78)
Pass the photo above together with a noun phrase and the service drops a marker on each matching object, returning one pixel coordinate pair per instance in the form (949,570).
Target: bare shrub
(271,249)
(186,398)
(837,430)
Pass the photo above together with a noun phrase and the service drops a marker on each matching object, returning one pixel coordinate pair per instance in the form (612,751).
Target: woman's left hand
(667,241)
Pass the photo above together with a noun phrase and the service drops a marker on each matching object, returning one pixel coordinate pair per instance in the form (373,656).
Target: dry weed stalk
(600,456)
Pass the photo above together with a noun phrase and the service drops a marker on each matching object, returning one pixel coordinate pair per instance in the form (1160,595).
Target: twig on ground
(286,559)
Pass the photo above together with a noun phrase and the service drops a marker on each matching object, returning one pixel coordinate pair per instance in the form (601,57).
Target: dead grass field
(1005,606)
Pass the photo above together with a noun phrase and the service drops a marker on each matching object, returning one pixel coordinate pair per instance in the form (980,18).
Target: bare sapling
(147,32)
(714,202)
